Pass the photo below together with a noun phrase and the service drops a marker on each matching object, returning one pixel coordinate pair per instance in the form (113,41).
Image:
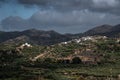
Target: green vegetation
(33,51)
(62,61)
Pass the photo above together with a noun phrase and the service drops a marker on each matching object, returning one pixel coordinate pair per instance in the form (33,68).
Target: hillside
(105,30)
(86,58)
(41,37)
(33,36)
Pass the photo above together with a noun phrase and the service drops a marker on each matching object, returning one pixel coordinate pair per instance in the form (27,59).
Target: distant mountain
(105,30)
(33,36)
(41,37)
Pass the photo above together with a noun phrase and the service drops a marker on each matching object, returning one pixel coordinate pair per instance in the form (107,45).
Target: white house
(118,40)
(64,43)
(87,38)
(77,40)
(26,45)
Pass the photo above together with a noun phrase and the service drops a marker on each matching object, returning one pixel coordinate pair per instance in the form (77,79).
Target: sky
(64,16)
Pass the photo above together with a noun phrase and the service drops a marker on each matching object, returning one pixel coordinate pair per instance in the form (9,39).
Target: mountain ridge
(104,30)
(33,36)
(50,37)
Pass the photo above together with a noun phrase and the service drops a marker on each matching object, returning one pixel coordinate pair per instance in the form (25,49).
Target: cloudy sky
(64,16)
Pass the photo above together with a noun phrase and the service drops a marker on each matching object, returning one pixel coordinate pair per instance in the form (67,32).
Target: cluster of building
(87,38)
(25,45)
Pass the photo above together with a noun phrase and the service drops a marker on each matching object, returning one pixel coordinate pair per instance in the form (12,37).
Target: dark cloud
(58,4)
(31,2)
(60,15)
(2,0)
(6,1)
(76,21)
(103,6)
(106,6)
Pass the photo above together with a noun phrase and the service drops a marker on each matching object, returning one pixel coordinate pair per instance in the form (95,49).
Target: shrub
(76,60)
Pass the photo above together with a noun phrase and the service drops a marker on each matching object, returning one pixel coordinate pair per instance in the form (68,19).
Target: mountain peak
(42,37)
(103,27)
(31,30)
(107,30)
(100,29)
